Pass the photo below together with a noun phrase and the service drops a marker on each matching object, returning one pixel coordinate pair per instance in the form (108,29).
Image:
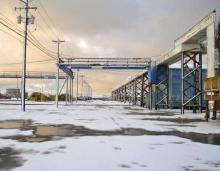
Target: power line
(31,62)
(29,39)
(50,20)
(11,35)
(20,41)
(57,33)
(40,44)
(48,26)
(9,22)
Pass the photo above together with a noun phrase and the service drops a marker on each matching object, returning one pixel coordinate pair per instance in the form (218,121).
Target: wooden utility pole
(26,20)
(58,70)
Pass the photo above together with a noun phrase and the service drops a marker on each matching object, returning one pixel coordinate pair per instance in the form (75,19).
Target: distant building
(13,93)
(2,96)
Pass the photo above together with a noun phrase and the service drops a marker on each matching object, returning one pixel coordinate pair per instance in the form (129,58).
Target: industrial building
(13,93)
(175,88)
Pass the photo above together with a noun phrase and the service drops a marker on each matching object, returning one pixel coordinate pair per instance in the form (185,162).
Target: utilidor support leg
(118,95)
(145,90)
(125,94)
(207,113)
(72,90)
(130,92)
(191,66)
(66,90)
(142,91)
(134,92)
(113,96)
(162,87)
(69,90)
(214,117)
(122,94)
(138,90)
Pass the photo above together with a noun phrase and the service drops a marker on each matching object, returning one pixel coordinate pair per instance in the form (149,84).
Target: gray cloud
(124,24)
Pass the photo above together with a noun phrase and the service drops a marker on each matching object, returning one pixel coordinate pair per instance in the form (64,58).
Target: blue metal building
(175,87)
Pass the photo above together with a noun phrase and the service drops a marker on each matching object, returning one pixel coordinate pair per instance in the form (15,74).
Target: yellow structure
(212,88)
(37,97)
(212,93)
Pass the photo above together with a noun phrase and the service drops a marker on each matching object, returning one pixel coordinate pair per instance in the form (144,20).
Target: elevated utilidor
(202,39)
(192,40)
(105,63)
(31,75)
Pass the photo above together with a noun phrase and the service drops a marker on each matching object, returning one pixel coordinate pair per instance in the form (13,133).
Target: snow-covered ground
(114,137)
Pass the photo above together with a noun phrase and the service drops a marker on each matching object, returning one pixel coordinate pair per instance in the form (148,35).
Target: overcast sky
(101,28)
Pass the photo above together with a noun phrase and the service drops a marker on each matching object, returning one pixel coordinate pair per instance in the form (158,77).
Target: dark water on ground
(10,159)
(42,133)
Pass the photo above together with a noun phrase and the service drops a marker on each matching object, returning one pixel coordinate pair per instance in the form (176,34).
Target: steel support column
(130,85)
(145,90)
(191,64)
(135,92)
(125,93)
(134,101)
(138,90)
(67,90)
(162,87)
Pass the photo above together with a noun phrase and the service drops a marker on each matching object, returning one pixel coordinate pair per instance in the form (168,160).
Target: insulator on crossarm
(19,19)
(32,19)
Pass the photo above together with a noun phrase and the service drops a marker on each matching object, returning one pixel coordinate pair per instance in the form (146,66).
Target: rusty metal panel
(215,82)
(217,105)
(212,98)
(212,84)
(207,85)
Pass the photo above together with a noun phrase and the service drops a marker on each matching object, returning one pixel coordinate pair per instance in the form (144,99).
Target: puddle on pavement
(132,109)
(42,133)
(177,125)
(14,124)
(10,159)
(175,120)
(151,114)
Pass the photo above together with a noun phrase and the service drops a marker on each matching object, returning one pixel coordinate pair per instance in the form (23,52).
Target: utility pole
(67,91)
(86,89)
(26,20)
(18,91)
(82,77)
(90,92)
(58,70)
(72,90)
(77,86)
